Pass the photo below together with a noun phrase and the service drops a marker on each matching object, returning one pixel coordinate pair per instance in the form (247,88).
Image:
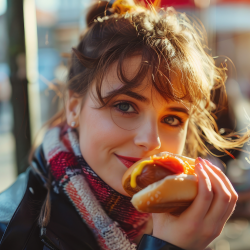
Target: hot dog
(164,182)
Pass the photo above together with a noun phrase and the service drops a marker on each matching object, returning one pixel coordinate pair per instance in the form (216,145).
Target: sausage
(151,174)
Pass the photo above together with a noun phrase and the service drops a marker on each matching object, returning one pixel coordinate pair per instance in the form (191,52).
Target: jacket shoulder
(12,196)
(20,204)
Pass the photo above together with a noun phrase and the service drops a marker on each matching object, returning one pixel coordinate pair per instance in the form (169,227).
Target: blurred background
(36,37)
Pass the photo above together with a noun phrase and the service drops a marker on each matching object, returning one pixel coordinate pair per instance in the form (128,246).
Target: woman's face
(107,142)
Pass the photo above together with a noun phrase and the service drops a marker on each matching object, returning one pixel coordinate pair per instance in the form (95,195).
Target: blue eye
(125,107)
(172,120)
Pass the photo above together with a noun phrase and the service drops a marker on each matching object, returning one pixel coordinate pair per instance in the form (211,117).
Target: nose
(147,135)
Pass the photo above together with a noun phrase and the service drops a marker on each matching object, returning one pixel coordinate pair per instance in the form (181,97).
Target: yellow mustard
(137,171)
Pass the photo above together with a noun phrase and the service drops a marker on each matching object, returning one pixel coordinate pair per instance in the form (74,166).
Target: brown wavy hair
(170,45)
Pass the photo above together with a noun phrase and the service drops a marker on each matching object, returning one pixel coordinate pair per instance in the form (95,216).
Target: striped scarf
(109,214)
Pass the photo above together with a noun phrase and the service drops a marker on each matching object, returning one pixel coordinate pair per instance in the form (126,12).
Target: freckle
(156,195)
(140,202)
(149,194)
(148,202)
(158,192)
(152,198)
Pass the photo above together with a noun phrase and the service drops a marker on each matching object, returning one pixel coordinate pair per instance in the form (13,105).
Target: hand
(205,218)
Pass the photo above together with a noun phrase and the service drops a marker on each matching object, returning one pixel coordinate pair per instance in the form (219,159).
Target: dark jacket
(20,206)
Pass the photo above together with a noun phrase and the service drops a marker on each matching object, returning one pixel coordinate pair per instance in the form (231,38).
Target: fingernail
(200,159)
(200,166)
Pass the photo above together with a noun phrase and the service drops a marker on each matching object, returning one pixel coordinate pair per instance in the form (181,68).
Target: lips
(128,161)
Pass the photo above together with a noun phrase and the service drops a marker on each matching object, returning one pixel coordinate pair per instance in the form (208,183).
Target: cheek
(98,136)
(174,141)
(94,130)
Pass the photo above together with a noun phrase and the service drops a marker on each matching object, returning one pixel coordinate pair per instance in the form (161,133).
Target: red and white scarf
(109,214)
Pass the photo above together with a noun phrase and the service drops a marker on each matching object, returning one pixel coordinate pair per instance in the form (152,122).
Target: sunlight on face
(161,126)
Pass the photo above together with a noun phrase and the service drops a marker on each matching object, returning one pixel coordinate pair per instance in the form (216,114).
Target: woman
(139,84)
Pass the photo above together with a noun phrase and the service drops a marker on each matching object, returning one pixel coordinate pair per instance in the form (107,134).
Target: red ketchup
(175,165)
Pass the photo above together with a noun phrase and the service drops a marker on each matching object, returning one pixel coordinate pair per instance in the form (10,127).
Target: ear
(73,109)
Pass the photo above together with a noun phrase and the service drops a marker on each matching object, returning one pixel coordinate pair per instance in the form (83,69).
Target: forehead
(130,68)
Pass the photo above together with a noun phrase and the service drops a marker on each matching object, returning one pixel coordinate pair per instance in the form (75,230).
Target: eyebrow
(178,109)
(137,96)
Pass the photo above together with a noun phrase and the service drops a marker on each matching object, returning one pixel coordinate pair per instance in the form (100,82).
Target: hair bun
(123,6)
(98,10)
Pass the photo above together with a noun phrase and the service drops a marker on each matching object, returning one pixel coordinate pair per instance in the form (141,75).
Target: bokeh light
(3,6)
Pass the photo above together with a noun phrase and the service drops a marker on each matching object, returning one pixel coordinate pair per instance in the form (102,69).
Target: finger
(222,196)
(234,195)
(200,206)
(223,177)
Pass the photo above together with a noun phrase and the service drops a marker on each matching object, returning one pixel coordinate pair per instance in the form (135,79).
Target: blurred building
(3,38)
(7,147)
(58,31)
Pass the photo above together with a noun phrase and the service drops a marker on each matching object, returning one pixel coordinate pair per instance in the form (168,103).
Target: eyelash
(124,112)
(130,113)
(176,117)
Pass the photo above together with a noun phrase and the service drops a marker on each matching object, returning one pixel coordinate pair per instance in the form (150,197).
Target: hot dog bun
(172,194)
